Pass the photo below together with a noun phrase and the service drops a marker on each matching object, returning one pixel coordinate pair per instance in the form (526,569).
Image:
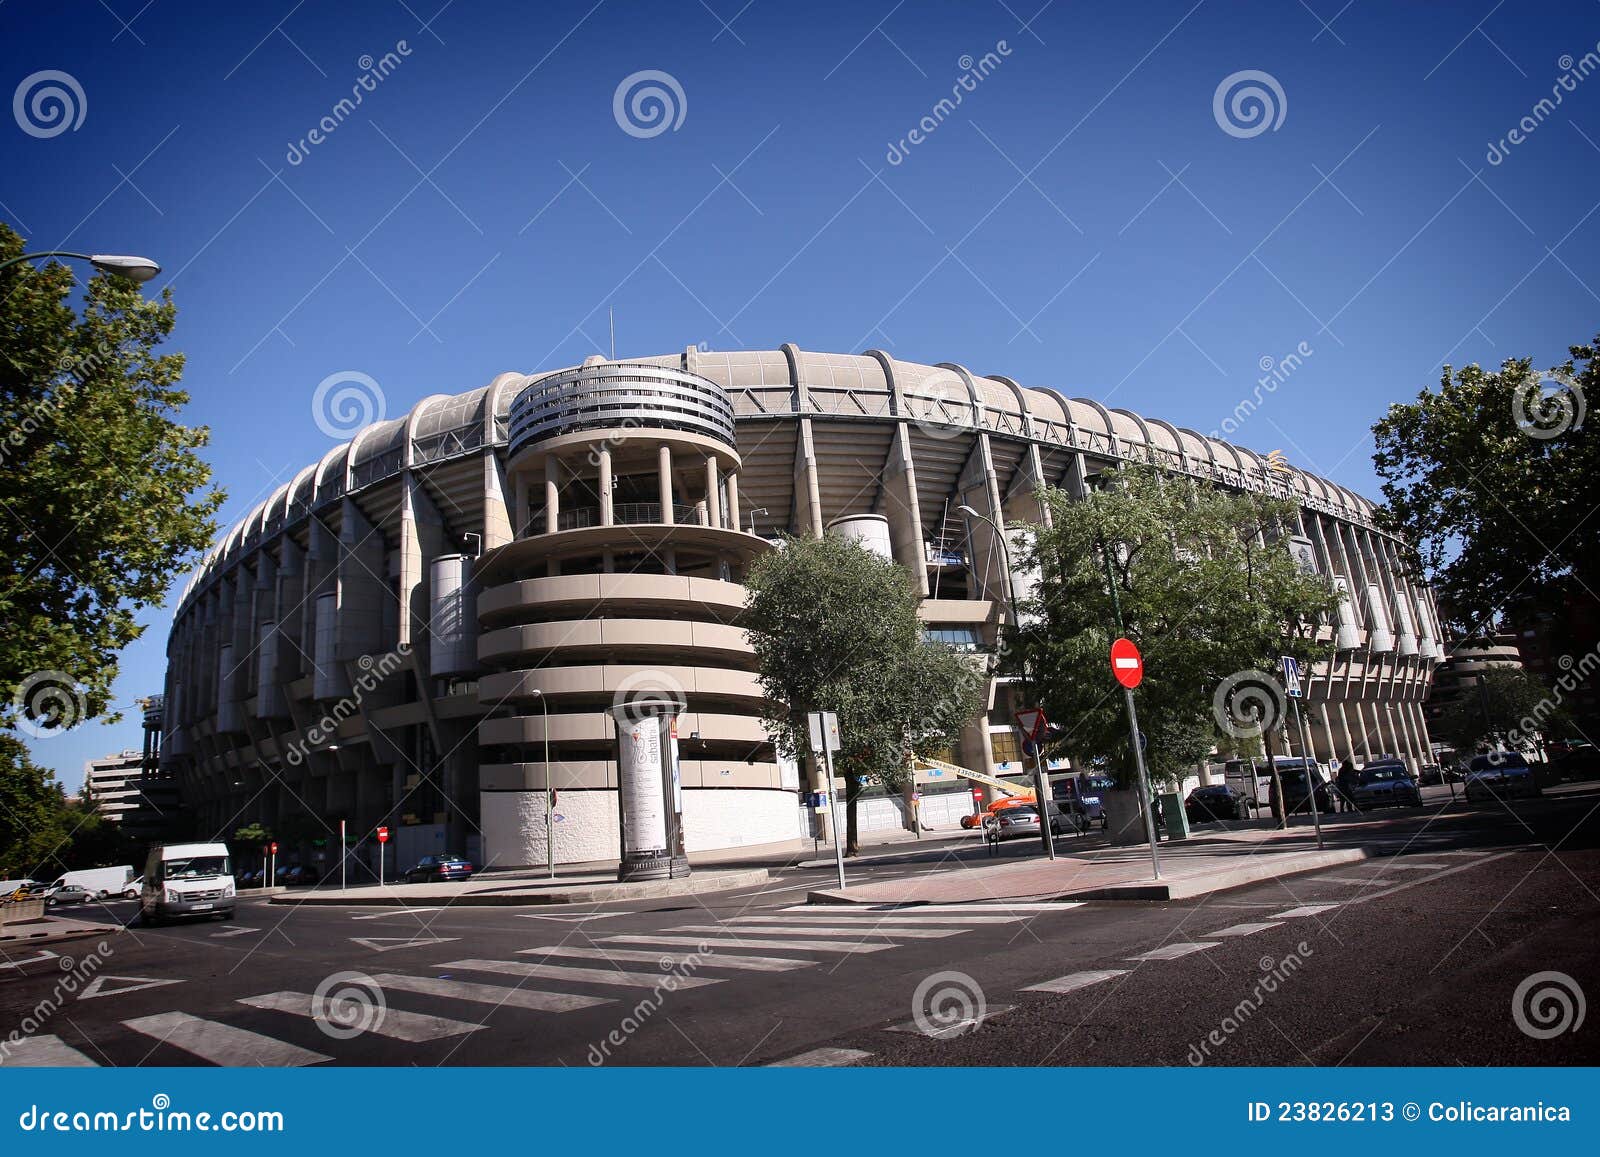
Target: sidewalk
(1194,867)
(524,887)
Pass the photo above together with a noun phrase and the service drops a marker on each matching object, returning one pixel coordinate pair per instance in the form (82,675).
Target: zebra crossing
(463,996)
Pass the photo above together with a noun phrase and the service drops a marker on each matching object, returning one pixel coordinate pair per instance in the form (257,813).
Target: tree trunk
(852,793)
(1124,819)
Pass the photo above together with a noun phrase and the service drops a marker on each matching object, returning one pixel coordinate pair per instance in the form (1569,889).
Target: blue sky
(1082,219)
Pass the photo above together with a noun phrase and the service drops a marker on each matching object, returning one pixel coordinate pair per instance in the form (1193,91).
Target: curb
(58,935)
(592,894)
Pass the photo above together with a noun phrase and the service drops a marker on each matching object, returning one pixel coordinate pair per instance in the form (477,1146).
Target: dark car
(1297,791)
(1500,775)
(1216,802)
(298,875)
(1384,785)
(439,868)
(1431,775)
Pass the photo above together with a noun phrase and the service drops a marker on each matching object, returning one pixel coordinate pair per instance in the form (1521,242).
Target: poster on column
(644,803)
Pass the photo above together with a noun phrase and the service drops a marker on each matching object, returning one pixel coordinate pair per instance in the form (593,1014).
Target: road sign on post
(383,838)
(824,727)
(1127,667)
(1291,677)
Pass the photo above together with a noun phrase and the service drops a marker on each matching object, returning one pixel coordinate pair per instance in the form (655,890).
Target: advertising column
(649,795)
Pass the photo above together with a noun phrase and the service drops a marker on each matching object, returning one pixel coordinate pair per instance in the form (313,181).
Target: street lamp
(753,513)
(549,791)
(134,269)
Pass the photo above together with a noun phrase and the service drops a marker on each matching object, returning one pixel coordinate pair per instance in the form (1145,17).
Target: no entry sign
(1126,664)
(383,835)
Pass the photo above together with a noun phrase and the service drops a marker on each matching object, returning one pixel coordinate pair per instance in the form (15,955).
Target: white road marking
(390,943)
(1364,881)
(1173,951)
(233,932)
(569,919)
(97,986)
(981,907)
(1076,980)
(1249,928)
(394,1023)
(222,1044)
(1304,910)
(393,912)
(1410,867)
(642,956)
(44,954)
(822,1059)
(588,975)
(44,1052)
(955,1028)
(495,994)
(884,918)
(721,942)
(866,928)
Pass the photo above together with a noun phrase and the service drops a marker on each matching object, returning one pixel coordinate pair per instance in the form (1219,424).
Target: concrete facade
(403,631)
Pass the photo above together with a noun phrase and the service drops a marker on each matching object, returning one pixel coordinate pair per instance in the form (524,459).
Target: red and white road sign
(1126,664)
(273,847)
(1031,722)
(383,835)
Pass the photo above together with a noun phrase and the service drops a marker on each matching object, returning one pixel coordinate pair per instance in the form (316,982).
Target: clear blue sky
(1081,220)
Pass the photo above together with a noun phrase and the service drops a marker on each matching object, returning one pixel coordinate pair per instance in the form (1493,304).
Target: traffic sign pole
(824,728)
(1145,801)
(344,852)
(1308,760)
(1031,722)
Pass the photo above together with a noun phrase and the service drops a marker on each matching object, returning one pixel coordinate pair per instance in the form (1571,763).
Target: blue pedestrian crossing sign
(1291,677)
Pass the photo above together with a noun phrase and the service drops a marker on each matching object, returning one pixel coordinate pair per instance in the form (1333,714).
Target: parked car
(1431,775)
(100,883)
(439,868)
(60,893)
(298,875)
(1023,820)
(1216,801)
(1500,775)
(1297,790)
(1385,784)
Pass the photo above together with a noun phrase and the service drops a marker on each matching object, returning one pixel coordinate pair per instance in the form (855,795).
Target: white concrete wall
(586,823)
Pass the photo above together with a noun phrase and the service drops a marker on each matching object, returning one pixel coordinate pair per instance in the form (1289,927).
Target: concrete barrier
(21,911)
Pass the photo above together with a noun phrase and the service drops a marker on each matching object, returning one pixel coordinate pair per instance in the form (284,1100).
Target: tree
(1491,479)
(1205,587)
(835,628)
(1501,706)
(100,487)
(34,824)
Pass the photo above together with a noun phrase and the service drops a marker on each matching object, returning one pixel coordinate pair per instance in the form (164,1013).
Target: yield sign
(97,986)
(1126,664)
(1032,722)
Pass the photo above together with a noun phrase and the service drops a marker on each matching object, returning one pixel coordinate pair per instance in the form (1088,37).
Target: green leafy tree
(1502,706)
(1492,478)
(102,496)
(35,824)
(835,628)
(1205,587)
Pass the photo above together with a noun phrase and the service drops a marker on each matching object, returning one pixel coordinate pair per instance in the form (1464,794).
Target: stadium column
(552,494)
(713,499)
(603,484)
(664,482)
(497,525)
(1344,728)
(806,515)
(362,586)
(903,508)
(421,541)
(1366,732)
(291,610)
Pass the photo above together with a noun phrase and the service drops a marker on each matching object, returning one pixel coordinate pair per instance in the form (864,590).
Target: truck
(98,883)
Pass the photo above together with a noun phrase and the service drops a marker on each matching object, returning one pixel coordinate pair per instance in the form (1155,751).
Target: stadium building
(432,624)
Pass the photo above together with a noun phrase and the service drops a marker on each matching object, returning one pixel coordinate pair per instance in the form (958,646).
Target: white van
(187,880)
(98,883)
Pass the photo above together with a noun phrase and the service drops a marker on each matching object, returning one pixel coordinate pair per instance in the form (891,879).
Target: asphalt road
(1412,957)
